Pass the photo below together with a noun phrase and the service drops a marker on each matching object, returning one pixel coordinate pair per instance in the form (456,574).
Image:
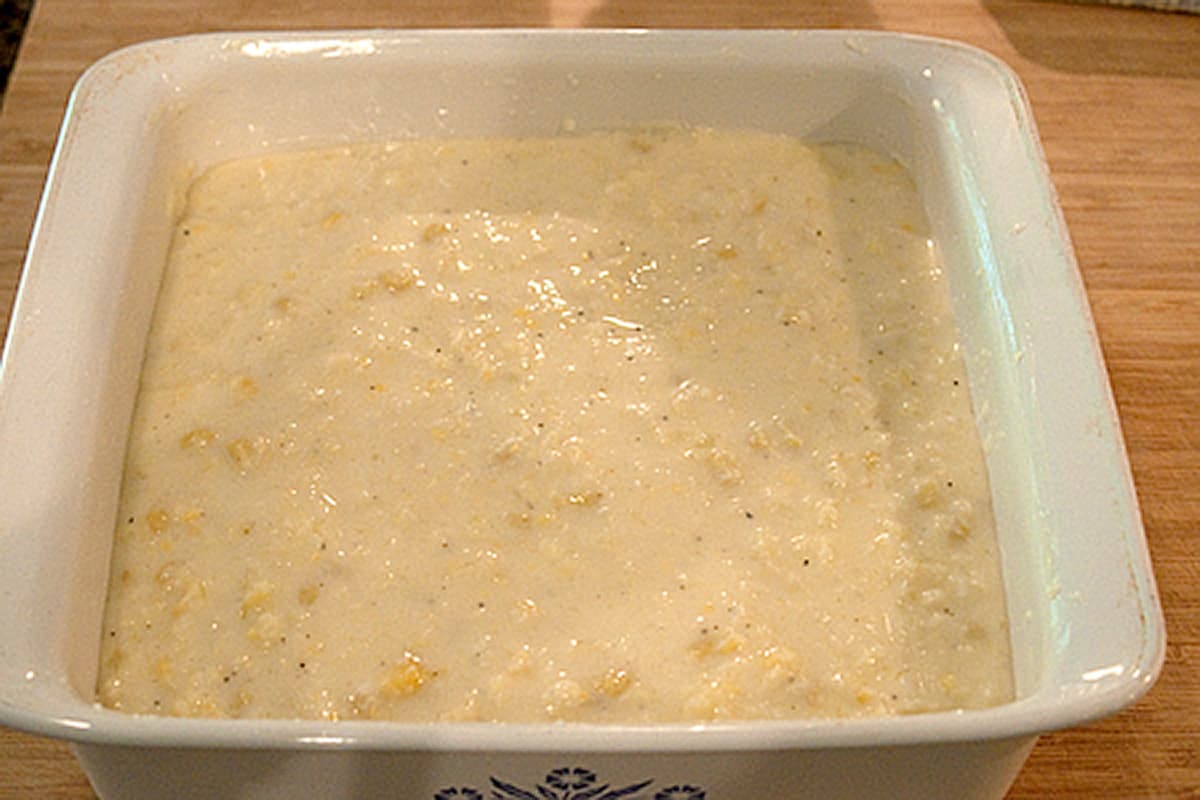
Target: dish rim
(1022,717)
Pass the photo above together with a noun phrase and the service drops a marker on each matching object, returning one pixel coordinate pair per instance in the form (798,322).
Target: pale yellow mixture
(650,425)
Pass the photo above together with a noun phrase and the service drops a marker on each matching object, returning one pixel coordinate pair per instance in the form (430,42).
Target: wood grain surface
(1116,97)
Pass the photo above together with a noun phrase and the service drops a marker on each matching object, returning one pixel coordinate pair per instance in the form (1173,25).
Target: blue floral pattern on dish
(458,793)
(572,783)
(680,792)
(571,779)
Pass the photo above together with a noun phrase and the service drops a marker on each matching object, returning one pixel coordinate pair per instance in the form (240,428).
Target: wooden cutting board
(1116,96)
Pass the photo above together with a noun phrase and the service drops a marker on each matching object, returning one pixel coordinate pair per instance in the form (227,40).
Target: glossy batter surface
(650,425)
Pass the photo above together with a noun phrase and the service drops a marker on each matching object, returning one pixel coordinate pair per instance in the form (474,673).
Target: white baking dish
(1086,625)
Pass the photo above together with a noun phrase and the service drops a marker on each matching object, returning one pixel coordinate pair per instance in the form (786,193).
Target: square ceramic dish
(1087,631)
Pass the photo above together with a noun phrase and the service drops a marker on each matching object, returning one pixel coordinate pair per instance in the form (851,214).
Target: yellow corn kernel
(731,644)
(564,696)
(245,387)
(520,664)
(308,594)
(703,647)
(827,513)
(927,494)
(725,467)
(203,707)
(246,453)
(614,682)
(960,528)
(802,317)
(363,705)
(407,677)
(508,449)
(395,281)
(166,575)
(332,219)
(778,656)
(195,593)
(158,520)
(727,252)
(641,145)
(257,599)
(584,498)
(435,230)
(266,630)
(713,699)
(200,437)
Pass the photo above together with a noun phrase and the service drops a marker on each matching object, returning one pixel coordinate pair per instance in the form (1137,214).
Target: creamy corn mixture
(648,425)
